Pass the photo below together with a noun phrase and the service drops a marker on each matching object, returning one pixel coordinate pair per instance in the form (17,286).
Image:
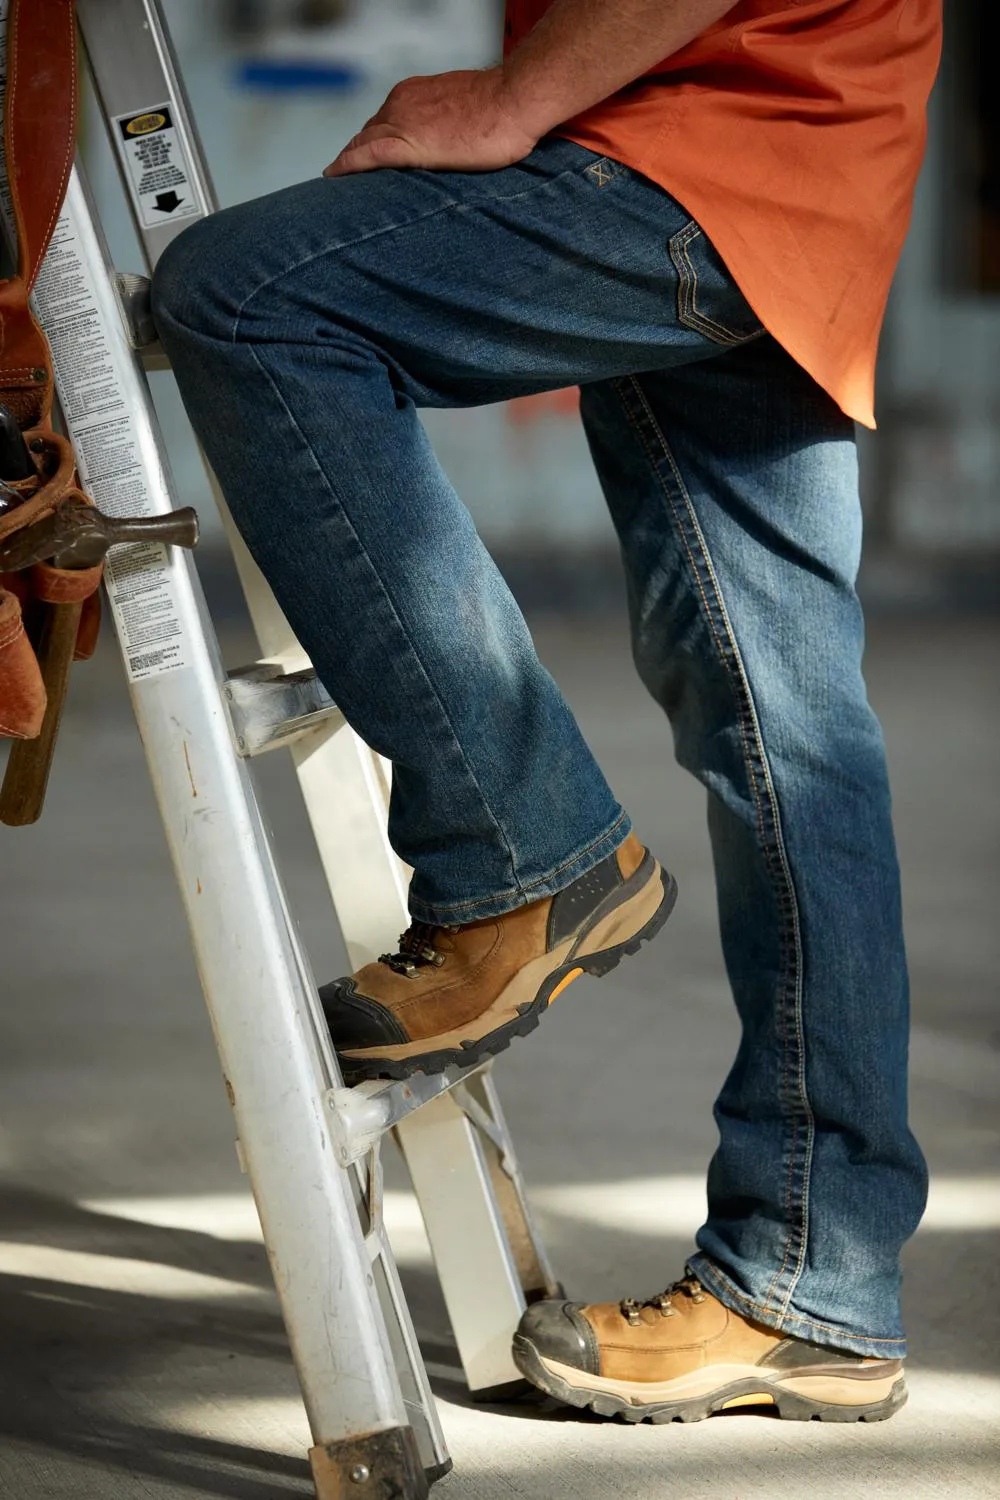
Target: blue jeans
(306,329)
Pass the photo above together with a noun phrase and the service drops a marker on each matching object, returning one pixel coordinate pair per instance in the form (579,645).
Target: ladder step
(134,295)
(270,708)
(361,1116)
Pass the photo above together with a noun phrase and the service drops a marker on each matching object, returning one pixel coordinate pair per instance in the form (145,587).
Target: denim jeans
(306,329)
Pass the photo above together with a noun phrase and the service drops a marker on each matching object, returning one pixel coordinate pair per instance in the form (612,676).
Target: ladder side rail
(345,790)
(261,997)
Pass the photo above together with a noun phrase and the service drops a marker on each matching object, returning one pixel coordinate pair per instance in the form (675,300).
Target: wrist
(525,100)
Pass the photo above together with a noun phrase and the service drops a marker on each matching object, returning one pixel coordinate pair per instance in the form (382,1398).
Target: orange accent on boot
(22,692)
(565,983)
(630,856)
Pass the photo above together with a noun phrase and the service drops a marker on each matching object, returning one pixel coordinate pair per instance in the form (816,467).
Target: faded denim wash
(306,330)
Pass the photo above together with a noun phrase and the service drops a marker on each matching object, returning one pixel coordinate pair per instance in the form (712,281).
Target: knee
(192,292)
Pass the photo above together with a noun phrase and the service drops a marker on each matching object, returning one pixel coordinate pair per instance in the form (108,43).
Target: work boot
(683,1355)
(457,995)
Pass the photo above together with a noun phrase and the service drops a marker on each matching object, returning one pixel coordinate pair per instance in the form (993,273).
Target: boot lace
(416,949)
(688,1286)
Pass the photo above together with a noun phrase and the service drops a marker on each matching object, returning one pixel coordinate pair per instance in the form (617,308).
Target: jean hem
(793,1325)
(459,913)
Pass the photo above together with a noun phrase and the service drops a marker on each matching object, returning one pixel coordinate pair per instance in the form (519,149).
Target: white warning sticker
(140,586)
(156,163)
(140,576)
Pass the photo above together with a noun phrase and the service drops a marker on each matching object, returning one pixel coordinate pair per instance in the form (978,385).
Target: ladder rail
(310,1145)
(345,789)
(274,1049)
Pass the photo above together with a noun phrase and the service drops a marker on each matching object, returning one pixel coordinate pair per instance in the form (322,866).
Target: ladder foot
(376,1466)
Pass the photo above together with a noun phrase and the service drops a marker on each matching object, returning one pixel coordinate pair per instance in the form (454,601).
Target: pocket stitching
(687,293)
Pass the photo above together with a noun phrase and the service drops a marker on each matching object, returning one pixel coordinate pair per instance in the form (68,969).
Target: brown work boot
(457,995)
(683,1355)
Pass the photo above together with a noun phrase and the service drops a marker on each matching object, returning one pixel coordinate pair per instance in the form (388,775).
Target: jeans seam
(360,239)
(712,1272)
(773,847)
(395,616)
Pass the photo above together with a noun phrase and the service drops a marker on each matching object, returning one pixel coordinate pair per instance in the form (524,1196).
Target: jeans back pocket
(708,299)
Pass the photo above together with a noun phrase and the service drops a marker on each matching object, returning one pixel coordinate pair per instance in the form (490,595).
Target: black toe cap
(355,1020)
(559,1331)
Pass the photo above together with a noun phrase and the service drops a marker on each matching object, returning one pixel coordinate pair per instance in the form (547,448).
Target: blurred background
(141,1352)
(278,86)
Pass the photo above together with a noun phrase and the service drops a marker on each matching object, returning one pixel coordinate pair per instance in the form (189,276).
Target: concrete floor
(141,1354)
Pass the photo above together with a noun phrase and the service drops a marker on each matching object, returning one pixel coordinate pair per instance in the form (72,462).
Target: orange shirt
(793,131)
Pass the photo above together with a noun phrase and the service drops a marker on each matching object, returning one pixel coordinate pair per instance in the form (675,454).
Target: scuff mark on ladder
(187,762)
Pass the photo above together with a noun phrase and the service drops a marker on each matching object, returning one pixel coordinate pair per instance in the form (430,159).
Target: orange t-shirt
(793,131)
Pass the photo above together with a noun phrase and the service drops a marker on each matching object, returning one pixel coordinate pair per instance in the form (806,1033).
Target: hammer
(74,536)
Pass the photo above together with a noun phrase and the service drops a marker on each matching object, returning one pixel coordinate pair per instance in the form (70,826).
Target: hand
(448,122)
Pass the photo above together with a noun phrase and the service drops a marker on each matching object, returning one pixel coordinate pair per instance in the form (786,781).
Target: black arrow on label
(167,202)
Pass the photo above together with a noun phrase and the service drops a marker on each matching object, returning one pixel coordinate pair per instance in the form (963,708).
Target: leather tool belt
(39,140)
(52,539)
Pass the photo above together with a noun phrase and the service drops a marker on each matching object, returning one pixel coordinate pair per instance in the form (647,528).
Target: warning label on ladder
(157,169)
(140,577)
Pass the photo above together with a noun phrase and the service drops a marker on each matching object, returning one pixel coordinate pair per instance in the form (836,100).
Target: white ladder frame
(310,1145)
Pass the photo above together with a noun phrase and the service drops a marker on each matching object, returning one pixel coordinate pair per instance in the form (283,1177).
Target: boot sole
(472,1052)
(752,1391)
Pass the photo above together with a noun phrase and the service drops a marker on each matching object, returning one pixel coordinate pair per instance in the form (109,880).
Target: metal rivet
(360,1474)
(39,374)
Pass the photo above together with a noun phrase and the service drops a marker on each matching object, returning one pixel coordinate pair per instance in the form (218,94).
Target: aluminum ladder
(310,1145)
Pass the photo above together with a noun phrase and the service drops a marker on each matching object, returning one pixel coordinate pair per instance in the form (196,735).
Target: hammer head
(79,536)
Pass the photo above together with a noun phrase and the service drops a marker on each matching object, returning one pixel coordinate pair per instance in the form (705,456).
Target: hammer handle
(30,761)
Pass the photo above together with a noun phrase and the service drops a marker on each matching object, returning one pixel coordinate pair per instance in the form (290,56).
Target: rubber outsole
(788,1405)
(472,1053)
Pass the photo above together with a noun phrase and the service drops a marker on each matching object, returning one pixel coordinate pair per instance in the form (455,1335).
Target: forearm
(582,51)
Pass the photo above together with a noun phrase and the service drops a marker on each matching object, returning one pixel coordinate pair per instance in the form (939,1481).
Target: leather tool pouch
(39,141)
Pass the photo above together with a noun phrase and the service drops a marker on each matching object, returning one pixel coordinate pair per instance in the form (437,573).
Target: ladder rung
(269,707)
(134,295)
(362,1115)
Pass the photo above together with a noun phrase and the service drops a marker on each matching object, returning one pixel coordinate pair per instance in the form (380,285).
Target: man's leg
(734,490)
(304,331)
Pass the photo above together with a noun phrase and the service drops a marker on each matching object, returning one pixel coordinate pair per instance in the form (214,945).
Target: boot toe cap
(559,1331)
(356,1020)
